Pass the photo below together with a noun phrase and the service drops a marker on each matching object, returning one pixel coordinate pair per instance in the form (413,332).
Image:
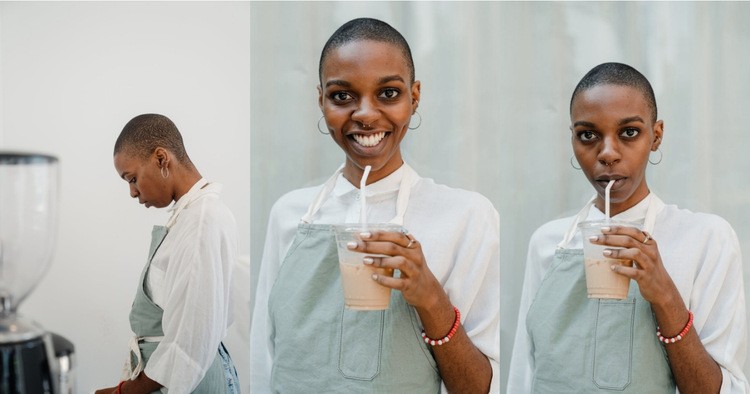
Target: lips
(603,180)
(369,140)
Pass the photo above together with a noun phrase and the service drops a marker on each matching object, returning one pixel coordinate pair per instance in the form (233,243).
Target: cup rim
(587,224)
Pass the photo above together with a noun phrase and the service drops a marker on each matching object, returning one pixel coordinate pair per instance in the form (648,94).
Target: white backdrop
(72,74)
(496,84)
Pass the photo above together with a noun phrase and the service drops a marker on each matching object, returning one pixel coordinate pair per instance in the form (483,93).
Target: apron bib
(583,345)
(145,321)
(319,345)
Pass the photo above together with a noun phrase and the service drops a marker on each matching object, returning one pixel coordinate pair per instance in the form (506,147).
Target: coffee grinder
(32,360)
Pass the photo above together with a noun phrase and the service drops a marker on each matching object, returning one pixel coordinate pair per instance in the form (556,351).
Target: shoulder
(551,232)
(707,225)
(297,200)
(209,209)
(444,198)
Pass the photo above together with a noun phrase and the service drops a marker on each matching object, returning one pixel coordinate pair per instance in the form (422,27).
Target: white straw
(363,199)
(606,198)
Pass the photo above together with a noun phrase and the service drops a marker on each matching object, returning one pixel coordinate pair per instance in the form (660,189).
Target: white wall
(496,84)
(72,74)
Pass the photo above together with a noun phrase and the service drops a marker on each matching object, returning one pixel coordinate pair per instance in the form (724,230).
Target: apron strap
(129,371)
(572,230)
(402,201)
(655,206)
(321,197)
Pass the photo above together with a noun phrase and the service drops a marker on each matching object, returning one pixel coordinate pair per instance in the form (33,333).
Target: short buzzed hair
(144,133)
(367,29)
(617,74)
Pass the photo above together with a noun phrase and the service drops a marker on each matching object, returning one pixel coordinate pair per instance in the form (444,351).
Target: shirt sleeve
(472,270)
(718,303)
(197,307)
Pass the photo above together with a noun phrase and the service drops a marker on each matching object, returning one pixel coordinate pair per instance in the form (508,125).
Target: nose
(133,191)
(367,112)
(610,151)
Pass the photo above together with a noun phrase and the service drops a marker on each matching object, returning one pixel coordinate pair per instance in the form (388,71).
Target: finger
(377,247)
(629,271)
(402,239)
(623,241)
(389,281)
(632,232)
(642,259)
(396,262)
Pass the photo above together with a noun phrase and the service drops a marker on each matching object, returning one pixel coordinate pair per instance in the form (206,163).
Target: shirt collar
(636,213)
(387,185)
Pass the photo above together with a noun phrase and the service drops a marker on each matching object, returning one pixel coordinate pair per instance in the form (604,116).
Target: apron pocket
(361,344)
(613,344)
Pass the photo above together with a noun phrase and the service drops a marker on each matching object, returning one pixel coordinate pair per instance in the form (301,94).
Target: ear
(161,156)
(320,98)
(658,135)
(415,95)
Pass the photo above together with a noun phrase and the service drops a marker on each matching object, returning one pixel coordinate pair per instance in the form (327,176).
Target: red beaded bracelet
(119,387)
(448,337)
(680,335)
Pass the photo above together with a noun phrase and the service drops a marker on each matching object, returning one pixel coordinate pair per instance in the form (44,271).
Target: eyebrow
(338,82)
(631,119)
(623,121)
(381,81)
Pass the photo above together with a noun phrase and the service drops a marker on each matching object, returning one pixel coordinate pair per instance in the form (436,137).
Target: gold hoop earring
(573,165)
(319,130)
(163,175)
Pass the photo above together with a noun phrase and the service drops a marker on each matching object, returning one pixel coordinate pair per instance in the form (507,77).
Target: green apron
(319,346)
(583,345)
(145,321)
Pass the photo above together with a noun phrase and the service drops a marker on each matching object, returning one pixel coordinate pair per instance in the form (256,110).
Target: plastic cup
(601,281)
(360,291)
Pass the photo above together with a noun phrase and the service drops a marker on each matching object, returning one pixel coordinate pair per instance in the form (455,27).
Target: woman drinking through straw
(447,283)
(682,323)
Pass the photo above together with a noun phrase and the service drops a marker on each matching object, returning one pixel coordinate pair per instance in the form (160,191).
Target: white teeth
(369,140)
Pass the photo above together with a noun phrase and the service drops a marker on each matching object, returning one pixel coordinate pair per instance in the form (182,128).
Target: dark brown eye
(630,133)
(390,93)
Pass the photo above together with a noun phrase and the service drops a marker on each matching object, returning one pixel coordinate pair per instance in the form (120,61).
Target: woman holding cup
(447,263)
(682,324)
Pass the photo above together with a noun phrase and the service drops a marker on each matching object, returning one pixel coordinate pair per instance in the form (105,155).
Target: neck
(184,179)
(353,173)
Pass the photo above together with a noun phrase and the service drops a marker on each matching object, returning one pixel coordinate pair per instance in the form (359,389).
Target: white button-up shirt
(700,252)
(189,278)
(459,234)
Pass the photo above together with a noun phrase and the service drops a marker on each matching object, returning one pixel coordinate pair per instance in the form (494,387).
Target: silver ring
(412,241)
(648,237)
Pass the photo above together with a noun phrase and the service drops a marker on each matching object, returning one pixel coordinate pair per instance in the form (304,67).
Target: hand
(108,390)
(418,285)
(653,279)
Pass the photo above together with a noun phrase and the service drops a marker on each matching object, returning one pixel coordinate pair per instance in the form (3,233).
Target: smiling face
(367,101)
(144,179)
(612,137)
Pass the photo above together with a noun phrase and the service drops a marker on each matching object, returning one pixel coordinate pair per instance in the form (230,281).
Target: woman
(181,309)
(683,323)
(302,337)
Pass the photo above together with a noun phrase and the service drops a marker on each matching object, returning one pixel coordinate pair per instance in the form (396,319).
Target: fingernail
(607,252)
(368,260)
(613,267)
(374,277)
(606,228)
(593,238)
(365,235)
(351,245)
